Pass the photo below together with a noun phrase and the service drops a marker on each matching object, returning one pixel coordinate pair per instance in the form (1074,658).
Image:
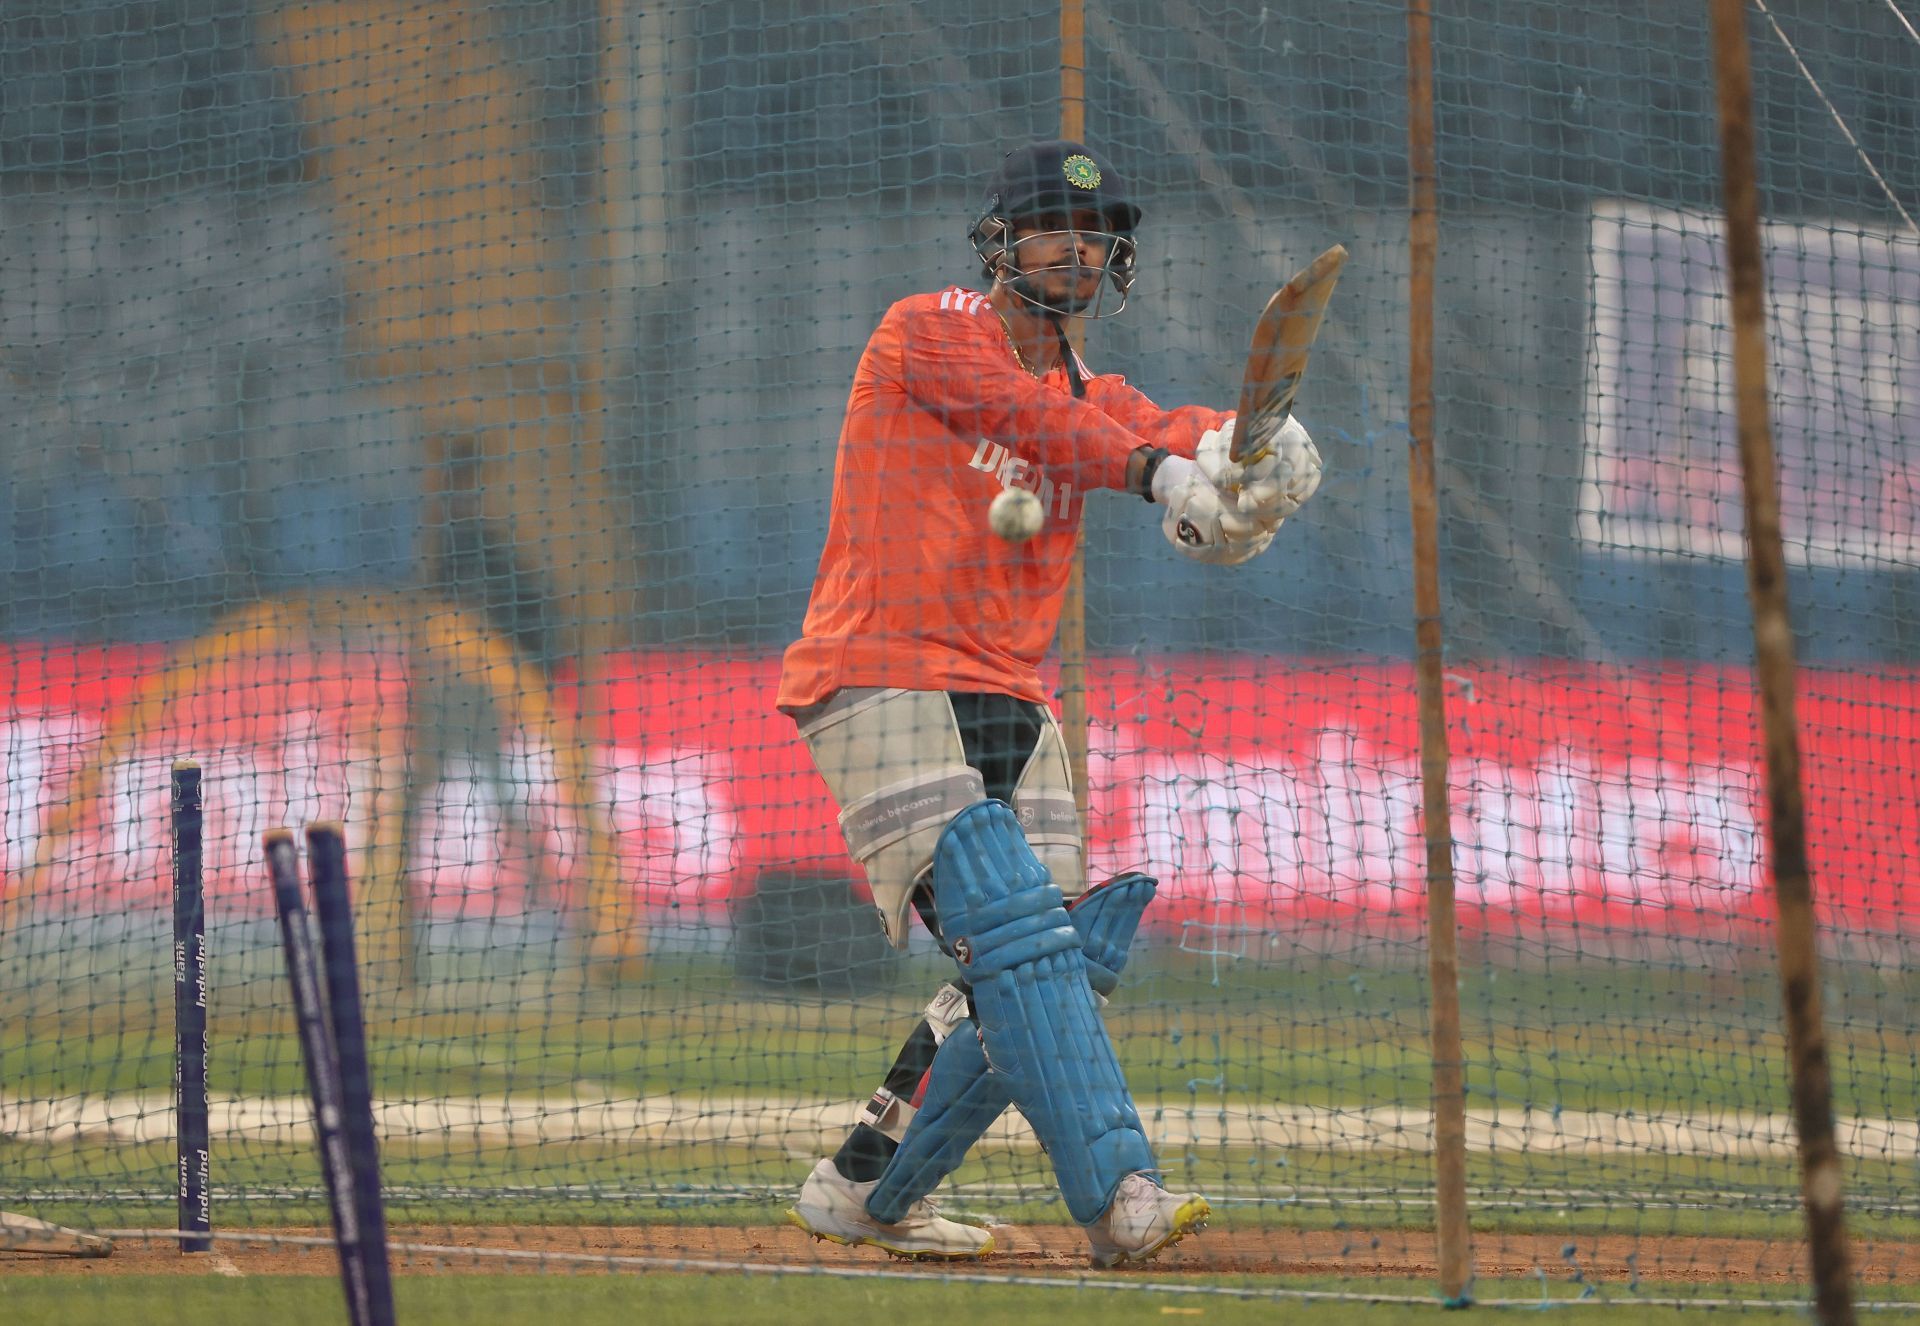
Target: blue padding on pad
(1012,936)
(1005,922)
(961,1102)
(962,1098)
(1107,917)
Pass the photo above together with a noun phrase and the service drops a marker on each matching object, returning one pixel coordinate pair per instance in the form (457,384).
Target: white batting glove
(1274,486)
(1199,521)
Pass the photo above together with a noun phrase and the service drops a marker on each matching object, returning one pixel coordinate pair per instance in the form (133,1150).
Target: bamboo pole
(1821,1185)
(1451,1229)
(1073,611)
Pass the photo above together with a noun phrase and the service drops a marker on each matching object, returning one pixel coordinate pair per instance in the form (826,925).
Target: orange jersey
(913,589)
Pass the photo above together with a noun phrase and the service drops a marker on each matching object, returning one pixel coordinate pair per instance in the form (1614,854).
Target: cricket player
(916,687)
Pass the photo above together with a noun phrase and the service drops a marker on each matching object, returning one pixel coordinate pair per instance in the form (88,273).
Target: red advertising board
(1262,792)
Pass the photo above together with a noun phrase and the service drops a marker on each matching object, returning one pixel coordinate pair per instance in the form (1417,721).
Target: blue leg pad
(1107,917)
(961,1102)
(962,1099)
(1009,928)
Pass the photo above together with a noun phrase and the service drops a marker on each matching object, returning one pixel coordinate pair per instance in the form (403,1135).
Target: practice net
(423,417)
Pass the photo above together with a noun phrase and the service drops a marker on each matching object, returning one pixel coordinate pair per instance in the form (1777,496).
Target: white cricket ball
(1016,515)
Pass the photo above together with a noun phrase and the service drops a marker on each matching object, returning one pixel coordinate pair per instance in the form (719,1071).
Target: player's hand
(1285,473)
(1202,525)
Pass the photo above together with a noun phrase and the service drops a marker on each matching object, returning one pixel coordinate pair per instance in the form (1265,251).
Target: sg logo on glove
(1189,533)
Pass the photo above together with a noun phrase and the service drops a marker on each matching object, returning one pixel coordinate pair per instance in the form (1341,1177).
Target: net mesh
(425,417)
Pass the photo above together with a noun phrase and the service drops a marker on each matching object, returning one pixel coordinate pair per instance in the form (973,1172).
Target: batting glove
(1285,473)
(1200,524)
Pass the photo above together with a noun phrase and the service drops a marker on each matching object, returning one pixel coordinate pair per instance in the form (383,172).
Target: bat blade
(1277,358)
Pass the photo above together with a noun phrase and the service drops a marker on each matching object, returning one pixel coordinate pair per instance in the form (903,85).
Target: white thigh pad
(1043,803)
(894,763)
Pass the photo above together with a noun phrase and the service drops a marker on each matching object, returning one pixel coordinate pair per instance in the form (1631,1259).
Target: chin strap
(1067,359)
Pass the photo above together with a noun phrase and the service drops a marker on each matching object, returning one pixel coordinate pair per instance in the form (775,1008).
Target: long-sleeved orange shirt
(913,589)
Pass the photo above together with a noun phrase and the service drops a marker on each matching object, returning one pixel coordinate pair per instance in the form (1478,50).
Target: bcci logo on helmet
(1081,172)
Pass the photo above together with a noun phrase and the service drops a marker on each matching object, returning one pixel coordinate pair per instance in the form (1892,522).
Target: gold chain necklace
(1014,345)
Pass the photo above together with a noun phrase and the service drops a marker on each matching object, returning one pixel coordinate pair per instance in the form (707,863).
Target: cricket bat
(1277,358)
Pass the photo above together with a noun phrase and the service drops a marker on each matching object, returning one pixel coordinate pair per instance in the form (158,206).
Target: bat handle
(1241,427)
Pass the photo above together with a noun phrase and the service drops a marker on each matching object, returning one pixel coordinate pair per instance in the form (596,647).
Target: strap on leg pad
(962,1098)
(1006,923)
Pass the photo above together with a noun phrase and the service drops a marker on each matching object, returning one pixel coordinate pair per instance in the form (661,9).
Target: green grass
(1591,1038)
(796,1300)
(1195,1031)
(1301,1189)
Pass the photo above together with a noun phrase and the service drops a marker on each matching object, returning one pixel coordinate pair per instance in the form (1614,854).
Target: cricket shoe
(834,1208)
(1143,1220)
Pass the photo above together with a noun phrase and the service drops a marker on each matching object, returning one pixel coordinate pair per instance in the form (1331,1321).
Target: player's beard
(1075,277)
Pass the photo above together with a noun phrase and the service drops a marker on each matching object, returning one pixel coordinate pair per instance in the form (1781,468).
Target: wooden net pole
(1452,1233)
(1821,1186)
(1073,611)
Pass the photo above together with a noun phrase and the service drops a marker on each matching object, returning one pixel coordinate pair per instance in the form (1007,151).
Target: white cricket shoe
(1144,1219)
(834,1208)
